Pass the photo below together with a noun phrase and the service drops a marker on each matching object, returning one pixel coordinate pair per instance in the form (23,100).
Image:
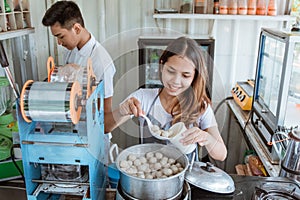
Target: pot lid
(208,177)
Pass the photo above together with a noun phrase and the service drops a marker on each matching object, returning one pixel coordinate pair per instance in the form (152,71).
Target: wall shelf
(15,19)
(225,17)
(212,19)
(15,33)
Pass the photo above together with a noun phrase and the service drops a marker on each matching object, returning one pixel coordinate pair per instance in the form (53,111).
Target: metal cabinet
(276,103)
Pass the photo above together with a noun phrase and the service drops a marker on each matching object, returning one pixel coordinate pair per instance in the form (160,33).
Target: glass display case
(276,105)
(150,50)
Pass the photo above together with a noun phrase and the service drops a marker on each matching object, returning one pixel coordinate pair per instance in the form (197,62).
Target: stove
(183,195)
(254,188)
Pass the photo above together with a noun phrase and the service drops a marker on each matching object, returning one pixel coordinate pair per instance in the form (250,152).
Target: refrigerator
(276,103)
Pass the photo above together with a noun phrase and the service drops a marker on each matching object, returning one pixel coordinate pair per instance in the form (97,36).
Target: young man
(67,25)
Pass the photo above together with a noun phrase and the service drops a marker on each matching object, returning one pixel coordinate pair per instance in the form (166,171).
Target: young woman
(183,98)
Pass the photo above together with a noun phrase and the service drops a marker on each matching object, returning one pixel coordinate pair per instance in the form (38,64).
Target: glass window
(270,74)
(293,106)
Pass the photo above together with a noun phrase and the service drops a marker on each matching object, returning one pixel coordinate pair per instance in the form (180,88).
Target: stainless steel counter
(253,138)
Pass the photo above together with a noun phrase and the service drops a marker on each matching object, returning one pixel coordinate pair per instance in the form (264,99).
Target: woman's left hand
(196,135)
(210,138)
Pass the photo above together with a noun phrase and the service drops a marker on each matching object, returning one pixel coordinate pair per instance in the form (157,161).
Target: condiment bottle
(232,7)
(209,6)
(200,6)
(223,7)
(6,6)
(216,7)
(242,7)
(261,7)
(186,6)
(272,7)
(251,10)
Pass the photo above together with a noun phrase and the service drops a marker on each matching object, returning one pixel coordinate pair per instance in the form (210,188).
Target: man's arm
(107,111)
(112,119)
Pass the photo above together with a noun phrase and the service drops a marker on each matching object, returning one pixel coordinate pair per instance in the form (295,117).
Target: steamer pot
(185,194)
(141,188)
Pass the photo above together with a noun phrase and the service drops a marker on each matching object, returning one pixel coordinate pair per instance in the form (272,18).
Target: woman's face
(177,75)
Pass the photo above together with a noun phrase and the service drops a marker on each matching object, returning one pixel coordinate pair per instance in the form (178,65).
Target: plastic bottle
(251,10)
(6,6)
(186,6)
(216,7)
(284,7)
(272,7)
(242,7)
(200,6)
(223,7)
(209,6)
(261,7)
(232,7)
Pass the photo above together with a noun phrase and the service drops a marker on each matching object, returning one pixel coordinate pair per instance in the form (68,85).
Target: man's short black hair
(67,13)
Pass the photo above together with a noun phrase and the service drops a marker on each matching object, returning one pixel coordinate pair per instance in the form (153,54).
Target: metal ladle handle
(192,162)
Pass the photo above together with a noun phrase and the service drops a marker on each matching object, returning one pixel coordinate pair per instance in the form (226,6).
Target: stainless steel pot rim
(152,145)
(153,180)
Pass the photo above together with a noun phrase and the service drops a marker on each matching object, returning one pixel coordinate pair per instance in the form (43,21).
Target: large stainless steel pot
(184,195)
(141,188)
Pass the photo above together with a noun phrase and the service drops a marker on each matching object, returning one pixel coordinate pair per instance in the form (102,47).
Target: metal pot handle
(278,151)
(114,146)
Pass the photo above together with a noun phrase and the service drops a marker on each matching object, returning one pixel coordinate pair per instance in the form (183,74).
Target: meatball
(131,157)
(158,155)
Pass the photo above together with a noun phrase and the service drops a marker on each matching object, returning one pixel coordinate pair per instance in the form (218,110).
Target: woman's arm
(120,115)
(210,138)
(215,147)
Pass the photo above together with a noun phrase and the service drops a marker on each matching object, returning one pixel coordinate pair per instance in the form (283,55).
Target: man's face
(66,38)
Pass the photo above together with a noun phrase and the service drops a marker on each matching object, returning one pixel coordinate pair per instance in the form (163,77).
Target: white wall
(118,23)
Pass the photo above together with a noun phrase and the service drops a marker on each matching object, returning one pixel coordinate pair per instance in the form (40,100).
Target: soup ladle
(151,126)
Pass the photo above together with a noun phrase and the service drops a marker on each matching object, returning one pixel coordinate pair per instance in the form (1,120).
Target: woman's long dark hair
(192,102)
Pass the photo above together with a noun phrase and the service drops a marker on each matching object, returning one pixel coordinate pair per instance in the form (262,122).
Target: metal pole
(4,63)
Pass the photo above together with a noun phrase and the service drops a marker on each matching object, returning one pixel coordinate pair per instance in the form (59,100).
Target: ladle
(192,162)
(150,126)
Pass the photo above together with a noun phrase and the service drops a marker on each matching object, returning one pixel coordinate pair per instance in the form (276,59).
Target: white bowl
(177,129)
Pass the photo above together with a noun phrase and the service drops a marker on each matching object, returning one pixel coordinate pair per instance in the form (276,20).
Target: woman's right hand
(131,106)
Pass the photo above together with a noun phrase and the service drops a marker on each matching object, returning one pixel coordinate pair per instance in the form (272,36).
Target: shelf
(170,35)
(225,17)
(15,33)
